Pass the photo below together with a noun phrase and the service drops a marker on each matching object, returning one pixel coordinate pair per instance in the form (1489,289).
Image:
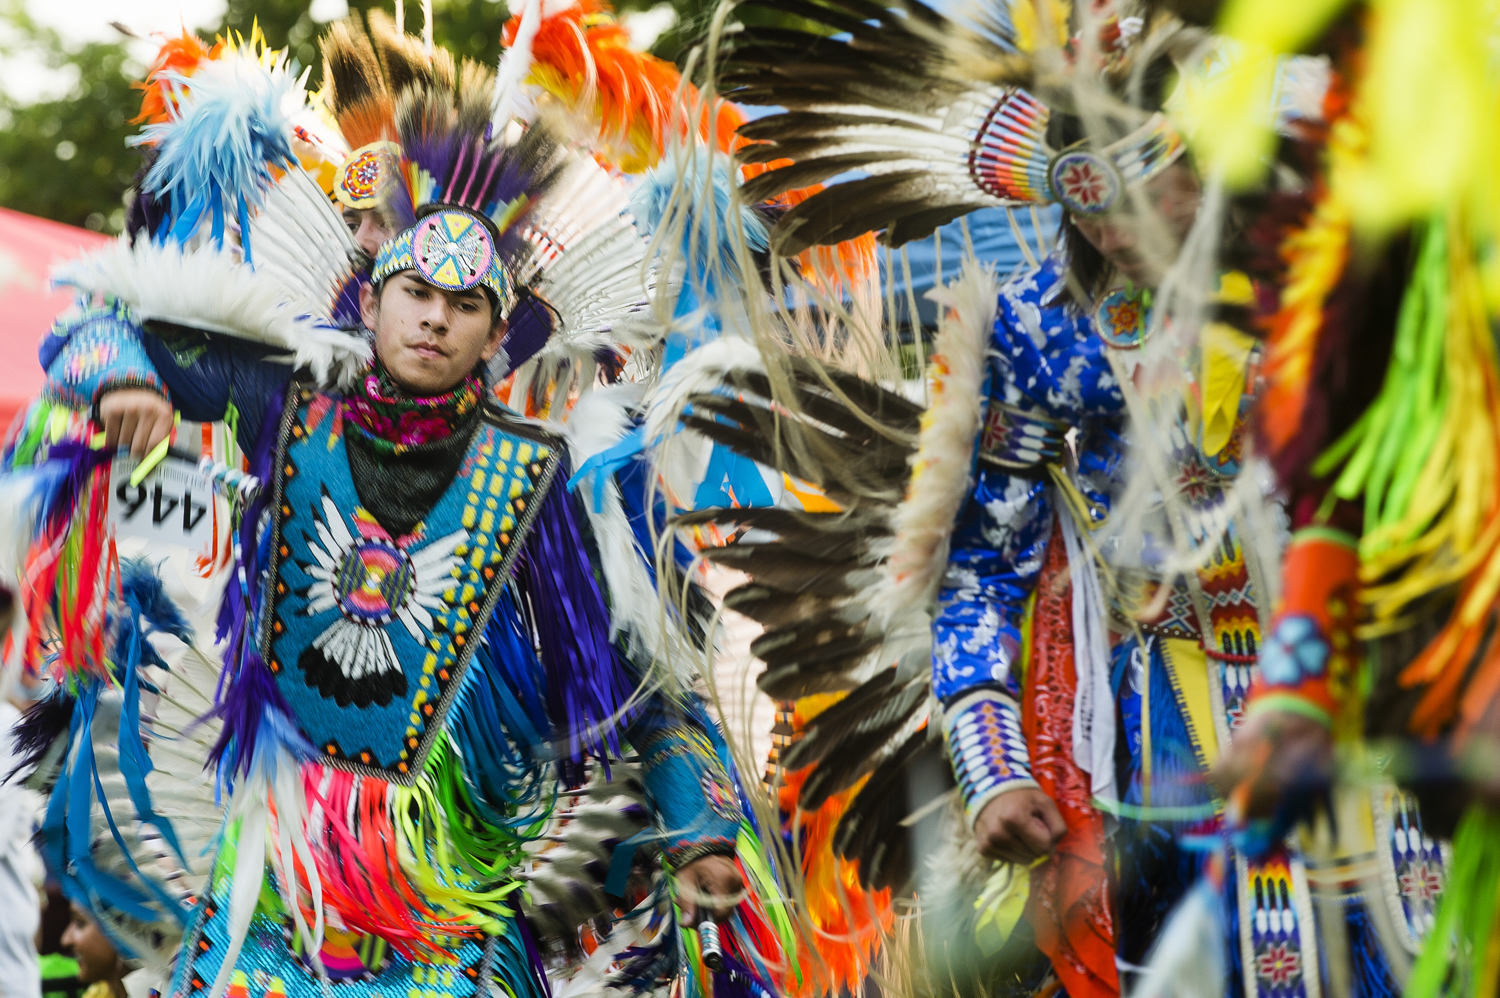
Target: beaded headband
(357,183)
(451,249)
(1011,160)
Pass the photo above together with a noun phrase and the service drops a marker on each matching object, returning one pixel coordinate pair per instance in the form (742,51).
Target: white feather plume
(212,290)
(588,260)
(600,420)
(939,485)
(702,370)
(300,240)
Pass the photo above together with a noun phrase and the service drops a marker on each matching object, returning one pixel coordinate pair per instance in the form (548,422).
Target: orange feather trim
(1315,258)
(582,57)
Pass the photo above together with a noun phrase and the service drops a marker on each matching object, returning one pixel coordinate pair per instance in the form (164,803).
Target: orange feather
(181,55)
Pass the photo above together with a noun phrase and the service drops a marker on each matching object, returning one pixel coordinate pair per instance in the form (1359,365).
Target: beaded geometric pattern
(271,965)
(369,635)
(1275,960)
(357,184)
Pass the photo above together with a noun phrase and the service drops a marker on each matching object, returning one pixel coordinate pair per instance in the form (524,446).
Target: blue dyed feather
(145,593)
(683,201)
(667,196)
(504,743)
(217,157)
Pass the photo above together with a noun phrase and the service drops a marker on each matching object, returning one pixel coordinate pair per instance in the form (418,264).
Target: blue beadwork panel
(272,965)
(368,634)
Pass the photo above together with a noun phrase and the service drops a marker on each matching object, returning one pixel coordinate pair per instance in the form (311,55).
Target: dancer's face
(96,956)
(368,229)
(1142,237)
(429,339)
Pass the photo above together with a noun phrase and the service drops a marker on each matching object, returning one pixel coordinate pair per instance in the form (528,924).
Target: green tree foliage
(465,28)
(66,159)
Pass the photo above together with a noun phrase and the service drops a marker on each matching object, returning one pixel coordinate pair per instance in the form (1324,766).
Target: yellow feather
(1040,23)
(1225,353)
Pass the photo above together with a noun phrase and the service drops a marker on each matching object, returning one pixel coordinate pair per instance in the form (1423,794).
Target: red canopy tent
(29,247)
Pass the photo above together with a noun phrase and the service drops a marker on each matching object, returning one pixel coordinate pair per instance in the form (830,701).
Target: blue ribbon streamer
(604,464)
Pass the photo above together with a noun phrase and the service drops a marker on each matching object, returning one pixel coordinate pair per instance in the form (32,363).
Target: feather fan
(584,257)
(845,596)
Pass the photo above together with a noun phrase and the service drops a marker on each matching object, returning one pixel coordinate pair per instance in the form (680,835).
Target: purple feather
(429,138)
(254,713)
(530,324)
(587,685)
(734,980)
(345,312)
(62,479)
(536,964)
(237,606)
(256,722)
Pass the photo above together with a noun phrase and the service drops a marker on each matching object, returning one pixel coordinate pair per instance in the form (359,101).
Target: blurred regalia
(1058,573)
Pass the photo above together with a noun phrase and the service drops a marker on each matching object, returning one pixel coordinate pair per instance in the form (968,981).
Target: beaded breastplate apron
(369,635)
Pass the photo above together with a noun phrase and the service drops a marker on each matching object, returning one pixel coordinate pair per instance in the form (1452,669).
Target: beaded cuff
(987,747)
(1308,663)
(1018,440)
(91,352)
(697,807)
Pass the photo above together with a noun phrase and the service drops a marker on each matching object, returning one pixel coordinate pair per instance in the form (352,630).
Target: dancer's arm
(1046,365)
(131,377)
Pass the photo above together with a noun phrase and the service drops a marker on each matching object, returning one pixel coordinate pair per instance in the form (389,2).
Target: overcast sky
(26,79)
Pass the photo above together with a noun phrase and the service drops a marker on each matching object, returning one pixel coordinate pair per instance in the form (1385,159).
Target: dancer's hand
(712,883)
(136,418)
(1019,826)
(1273,753)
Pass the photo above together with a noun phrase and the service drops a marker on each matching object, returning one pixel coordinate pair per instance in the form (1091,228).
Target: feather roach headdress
(363,73)
(458,194)
(944,119)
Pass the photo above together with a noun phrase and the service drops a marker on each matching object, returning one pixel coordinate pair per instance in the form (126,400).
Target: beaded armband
(91,352)
(1018,440)
(987,747)
(1307,665)
(697,807)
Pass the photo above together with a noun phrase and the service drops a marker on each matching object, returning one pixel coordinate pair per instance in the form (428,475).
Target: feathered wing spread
(845,598)
(132,820)
(867,87)
(305,247)
(584,261)
(815,577)
(213,290)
